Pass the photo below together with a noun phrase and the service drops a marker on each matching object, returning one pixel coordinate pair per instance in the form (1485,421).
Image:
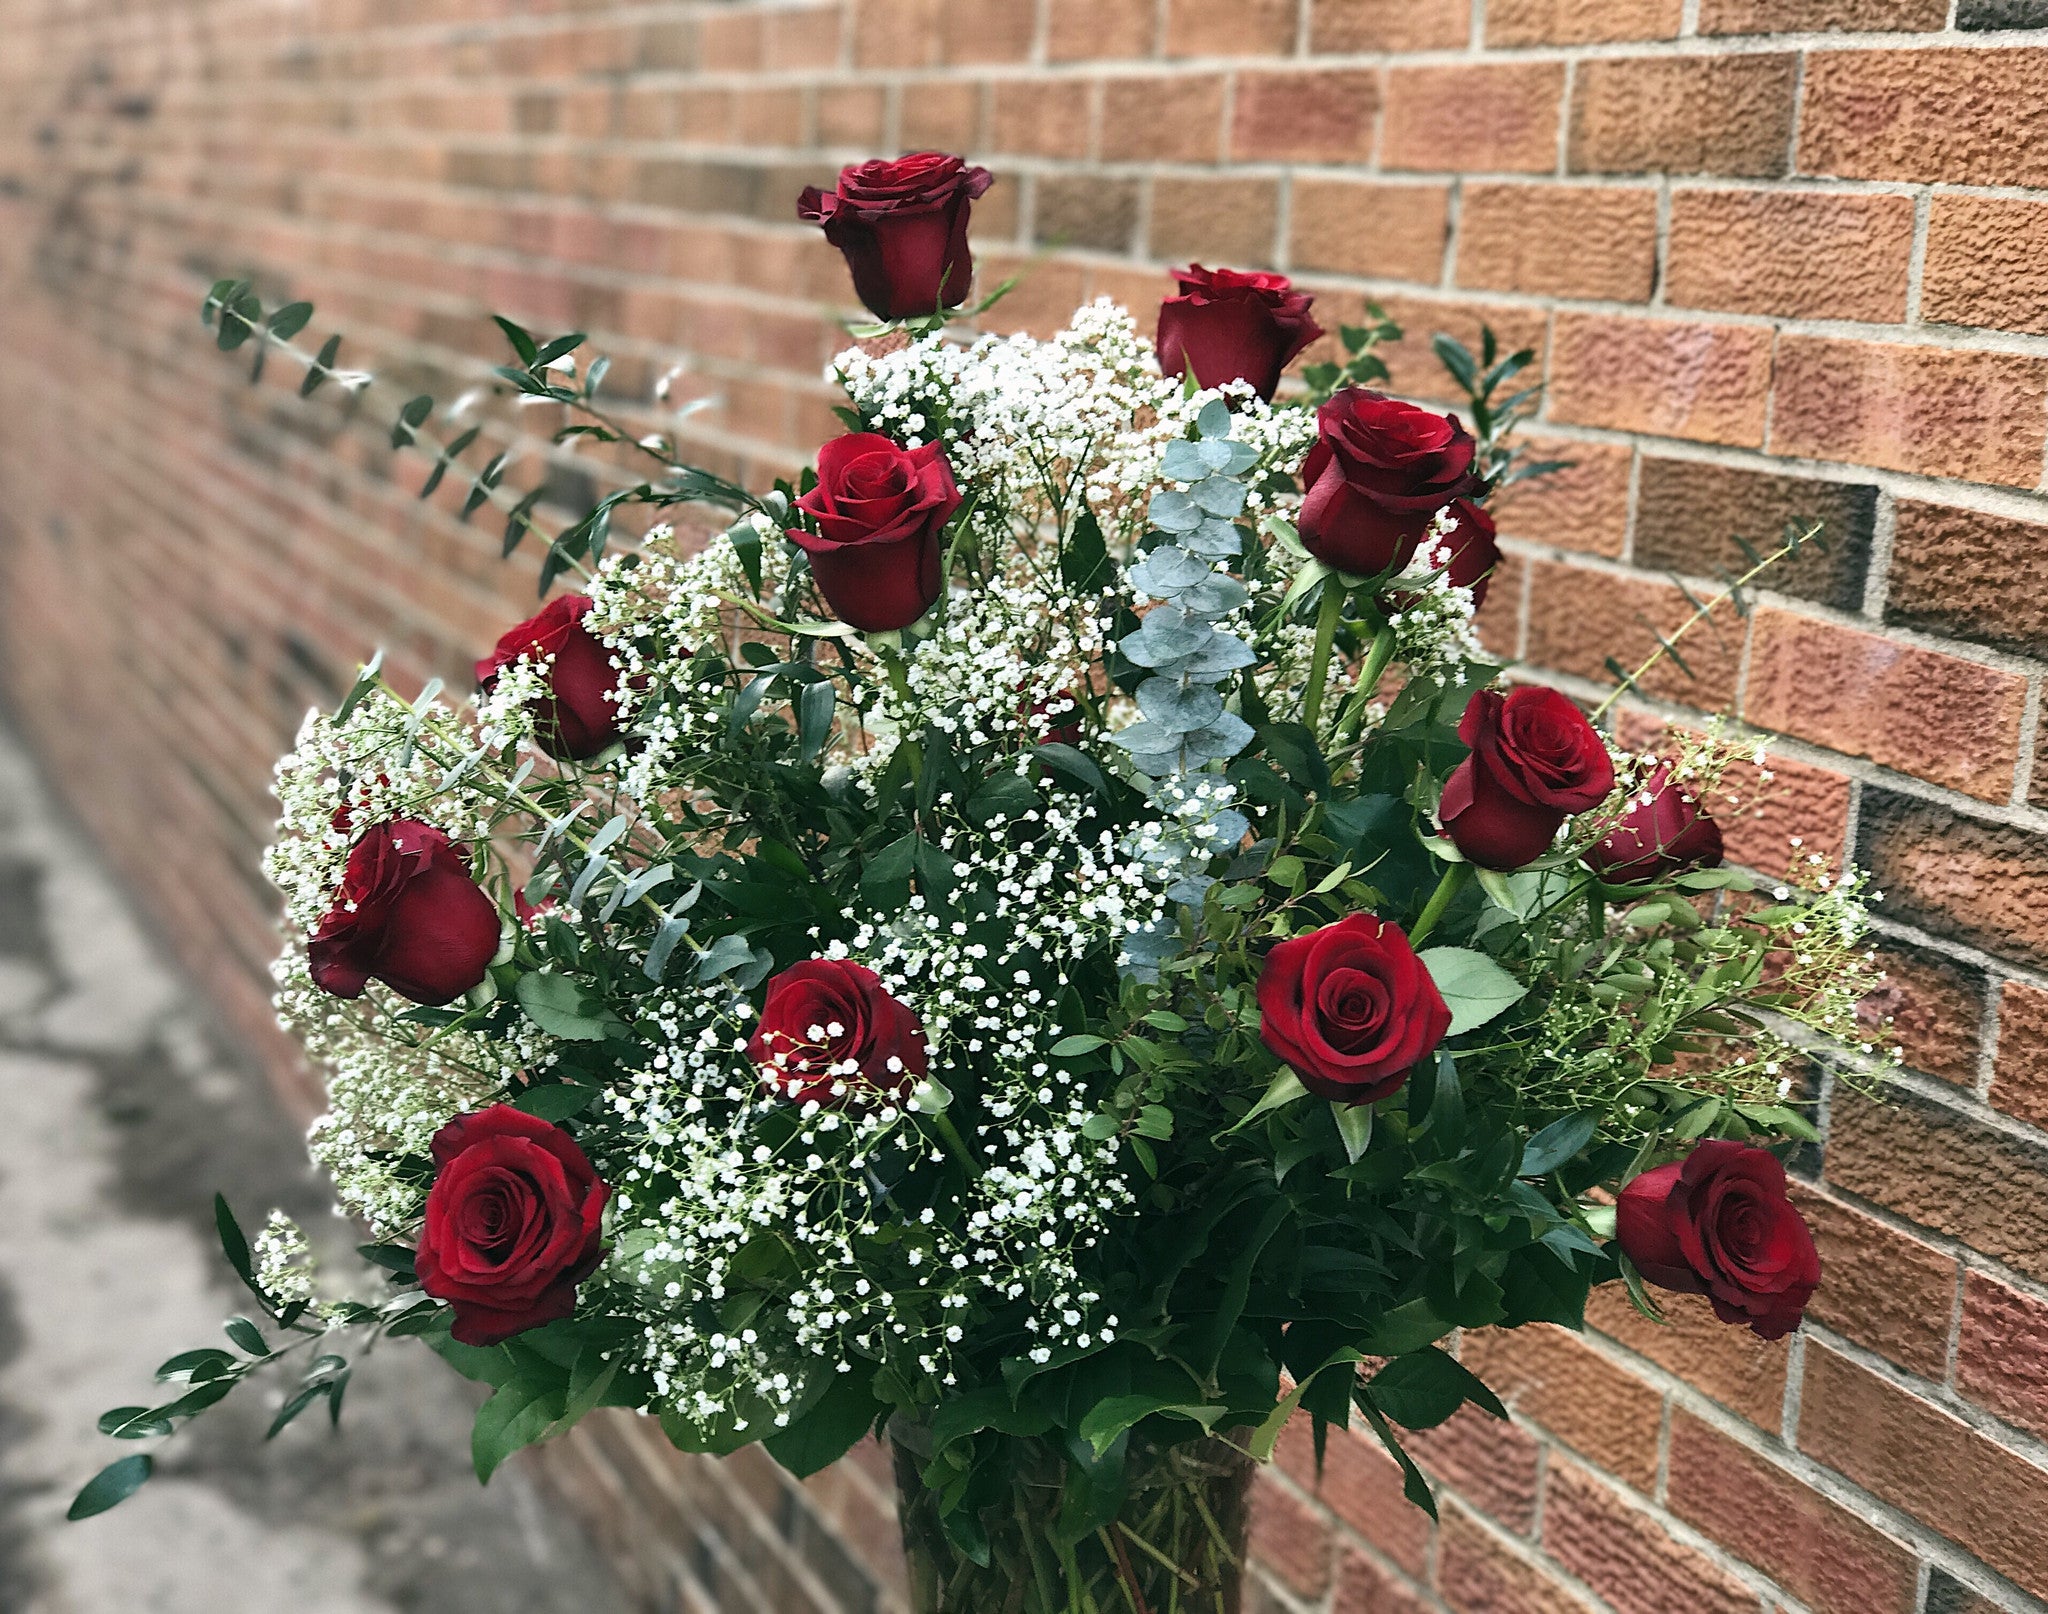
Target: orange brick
(1490,1464)
(1580,22)
(1337,27)
(1753,252)
(1664,377)
(1162,119)
(1817,16)
(1745,1374)
(1040,118)
(1229,27)
(1973,415)
(1559,240)
(1415,367)
(1490,117)
(1940,718)
(893,33)
(1960,877)
(850,115)
(1690,512)
(1582,507)
(1317,116)
(1961,117)
(940,117)
(1625,1556)
(1365,227)
(1929,1463)
(1499,622)
(1361,1484)
(1579,618)
(1935,1008)
(1293,1540)
(1880,1287)
(1551,1377)
(1479,1573)
(1078,30)
(1684,115)
(1363,1587)
(1760,819)
(2002,1352)
(1822,1554)
(1987,263)
(2019,1081)
(1229,221)
(975,31)
(805,37)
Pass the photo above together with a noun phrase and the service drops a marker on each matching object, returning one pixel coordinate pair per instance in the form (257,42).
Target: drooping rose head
(1350,1008)
(1229,326)
(580,717)
(879,511)
(1664,832)
(1473,555)
(1535,761)
(407,914)
(1719,1224)
(901,225)
(831,1033)
(514,1223)
(1380,471)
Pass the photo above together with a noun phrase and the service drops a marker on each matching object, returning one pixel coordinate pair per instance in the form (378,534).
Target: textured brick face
(1579,22)
(1807,16)
(1896,115)
(1754,252)
(1690,512)
(1684,115)
(1664,378)
(1392,232)
(1473,119)
(1581,241)
(1960,876)
(1987,263)
(1970,574)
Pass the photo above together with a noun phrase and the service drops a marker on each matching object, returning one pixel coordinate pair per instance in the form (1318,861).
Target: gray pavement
(120,1115)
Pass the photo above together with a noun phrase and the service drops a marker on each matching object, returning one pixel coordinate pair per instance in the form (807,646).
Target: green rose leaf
(1475,988)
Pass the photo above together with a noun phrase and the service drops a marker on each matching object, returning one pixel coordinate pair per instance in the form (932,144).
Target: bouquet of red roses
(1046,939)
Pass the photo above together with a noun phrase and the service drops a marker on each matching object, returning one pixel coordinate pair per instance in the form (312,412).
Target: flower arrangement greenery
(1047,939)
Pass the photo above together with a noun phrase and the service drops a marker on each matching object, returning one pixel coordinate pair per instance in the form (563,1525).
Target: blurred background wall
(1779,258)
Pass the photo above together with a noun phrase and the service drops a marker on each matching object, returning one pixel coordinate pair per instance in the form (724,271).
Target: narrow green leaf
(522,343)
(111,1486)
(323,367)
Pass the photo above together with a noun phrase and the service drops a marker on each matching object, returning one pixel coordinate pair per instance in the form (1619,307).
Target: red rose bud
(1379,473)
(1664,832)
(901,225)
(580,717)
(879,510)
(1473,555)
(831,1032)
(513,1223)
(407,914)
(1351,1009)
(1535,761)
(1719,1224)
(1226,326)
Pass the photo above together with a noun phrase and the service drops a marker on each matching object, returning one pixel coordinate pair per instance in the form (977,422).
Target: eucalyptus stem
(1440,900)
(1327,617)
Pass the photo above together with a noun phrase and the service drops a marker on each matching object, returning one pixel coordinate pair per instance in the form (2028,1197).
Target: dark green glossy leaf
(111,1486)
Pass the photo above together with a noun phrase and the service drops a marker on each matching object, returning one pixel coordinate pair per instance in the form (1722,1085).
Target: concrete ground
(119,1119)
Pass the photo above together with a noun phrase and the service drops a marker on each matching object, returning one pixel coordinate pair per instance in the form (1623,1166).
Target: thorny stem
(1701,613)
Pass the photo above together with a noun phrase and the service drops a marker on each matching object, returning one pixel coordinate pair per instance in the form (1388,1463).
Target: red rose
(1535,761)
(1664,832)
(407,914)
(1378,474)
(1351,1008)
(829,1029)
(582,716)
(1719,1224)
(879,510)
(1227,326)
(901,225)
(513,1223)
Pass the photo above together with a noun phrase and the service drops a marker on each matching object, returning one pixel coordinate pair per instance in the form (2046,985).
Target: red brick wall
(1780,257)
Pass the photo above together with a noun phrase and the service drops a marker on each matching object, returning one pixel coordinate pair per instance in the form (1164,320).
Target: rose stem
(1446,891)
(1326,640)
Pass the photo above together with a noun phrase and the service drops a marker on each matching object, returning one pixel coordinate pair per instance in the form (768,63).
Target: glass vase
(1177,1547)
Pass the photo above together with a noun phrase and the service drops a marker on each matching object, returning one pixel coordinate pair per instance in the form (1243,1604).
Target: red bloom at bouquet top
(407,914)
(1380,471)
(1226,325)
(1350,1008)
(830,1031)
(514,1223)
(879,509)
(901,225)
(1719,1223)
(1664,832)
(581,715)
(1535,761)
